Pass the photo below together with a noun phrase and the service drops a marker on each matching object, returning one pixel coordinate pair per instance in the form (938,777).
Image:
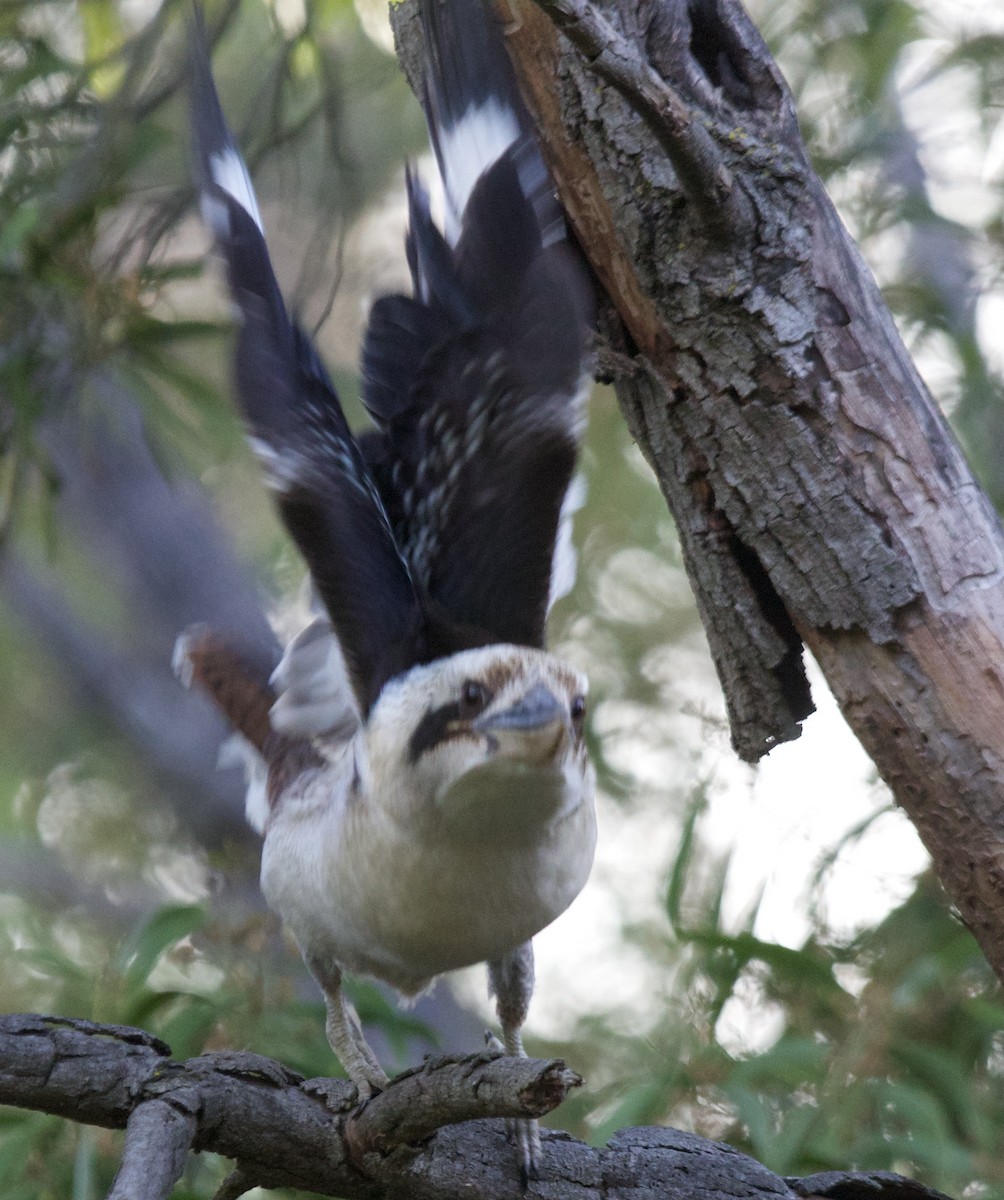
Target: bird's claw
(369,1082)
(526,1135)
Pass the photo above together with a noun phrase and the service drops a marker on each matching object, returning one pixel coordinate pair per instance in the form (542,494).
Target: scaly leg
(510,981)
(345,1035)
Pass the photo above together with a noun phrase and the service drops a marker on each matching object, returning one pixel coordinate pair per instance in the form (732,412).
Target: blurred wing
(564,564)
(323,487)
(479,380)
(313,696)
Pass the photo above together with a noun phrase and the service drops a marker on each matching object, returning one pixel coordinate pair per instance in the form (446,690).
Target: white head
(487,741)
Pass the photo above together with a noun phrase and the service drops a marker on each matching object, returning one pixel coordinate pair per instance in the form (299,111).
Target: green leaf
(785,1148)
(50,963)
(191,385)
(189,1024)
(943,1074)
(21,225)
(758,1118)
(809,965)
(642,1104)
(791,1060)
(141,952)
(144,330)
(682,862)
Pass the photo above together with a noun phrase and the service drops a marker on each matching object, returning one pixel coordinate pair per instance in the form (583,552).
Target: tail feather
(241,692)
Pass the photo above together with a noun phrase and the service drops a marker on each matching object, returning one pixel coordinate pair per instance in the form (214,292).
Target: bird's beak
(521,786)
(530,729)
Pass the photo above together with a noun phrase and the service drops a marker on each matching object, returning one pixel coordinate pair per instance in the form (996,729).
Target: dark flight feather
(324,488)
(436,530)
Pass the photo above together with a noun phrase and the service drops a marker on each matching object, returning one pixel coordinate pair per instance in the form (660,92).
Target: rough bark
(820,496)
(284,1131)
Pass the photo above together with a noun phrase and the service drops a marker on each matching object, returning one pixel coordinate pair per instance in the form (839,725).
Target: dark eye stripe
(433,728)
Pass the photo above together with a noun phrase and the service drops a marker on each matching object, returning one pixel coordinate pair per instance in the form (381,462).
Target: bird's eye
(473,699)
(577,710)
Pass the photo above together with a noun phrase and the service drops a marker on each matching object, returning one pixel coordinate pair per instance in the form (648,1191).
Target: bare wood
(284,1131)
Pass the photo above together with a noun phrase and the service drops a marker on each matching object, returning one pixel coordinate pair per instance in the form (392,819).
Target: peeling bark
(820,496)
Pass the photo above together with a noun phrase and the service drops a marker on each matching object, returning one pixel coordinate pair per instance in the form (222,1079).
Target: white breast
(405,902)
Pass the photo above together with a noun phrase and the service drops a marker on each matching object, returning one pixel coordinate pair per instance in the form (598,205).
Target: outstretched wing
(323,486)
(478,380)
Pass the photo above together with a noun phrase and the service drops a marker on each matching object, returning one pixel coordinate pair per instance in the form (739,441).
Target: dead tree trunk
(820,496)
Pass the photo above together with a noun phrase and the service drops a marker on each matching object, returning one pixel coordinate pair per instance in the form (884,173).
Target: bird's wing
(313,696)
(323,486)
(474,109)
(478,380)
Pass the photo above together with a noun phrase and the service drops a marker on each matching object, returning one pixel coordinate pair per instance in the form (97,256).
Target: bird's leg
(510,981)
(345,1034)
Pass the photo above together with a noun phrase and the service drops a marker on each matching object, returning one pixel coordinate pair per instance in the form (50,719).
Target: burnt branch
(284,1131)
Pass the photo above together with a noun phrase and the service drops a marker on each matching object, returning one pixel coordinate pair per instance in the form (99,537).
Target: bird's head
(488,742)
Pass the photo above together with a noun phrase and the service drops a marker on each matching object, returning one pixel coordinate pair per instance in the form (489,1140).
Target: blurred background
(762,954)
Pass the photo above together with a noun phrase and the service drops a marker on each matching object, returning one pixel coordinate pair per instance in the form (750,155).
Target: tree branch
(284,1131)
(159,1136)
(444,1091)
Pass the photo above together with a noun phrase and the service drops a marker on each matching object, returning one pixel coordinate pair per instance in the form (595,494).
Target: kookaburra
(427,799)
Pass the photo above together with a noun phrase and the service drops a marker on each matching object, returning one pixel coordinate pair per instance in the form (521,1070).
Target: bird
(420,772)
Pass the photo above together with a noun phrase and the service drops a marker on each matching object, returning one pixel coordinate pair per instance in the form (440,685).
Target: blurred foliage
(922,194)
(886,1050)
(878,1048)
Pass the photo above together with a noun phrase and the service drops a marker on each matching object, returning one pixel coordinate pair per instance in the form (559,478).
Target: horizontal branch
(445,1091)
(284,1131)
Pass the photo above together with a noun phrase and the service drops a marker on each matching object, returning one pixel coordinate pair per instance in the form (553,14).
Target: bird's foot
(526,1135)
(493,1042)
(368,1076)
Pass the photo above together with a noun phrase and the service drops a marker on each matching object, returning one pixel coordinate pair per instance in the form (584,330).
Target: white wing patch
(565,560)
(283,469)
(479,139)
(181,663)
(231,175)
